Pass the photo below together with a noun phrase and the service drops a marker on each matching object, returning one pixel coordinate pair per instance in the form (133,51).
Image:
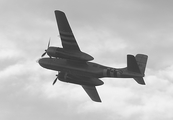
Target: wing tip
(92,92)
(99,101)
(59,11)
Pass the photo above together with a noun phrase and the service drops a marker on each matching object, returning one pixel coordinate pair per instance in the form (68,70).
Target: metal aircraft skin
(73,65)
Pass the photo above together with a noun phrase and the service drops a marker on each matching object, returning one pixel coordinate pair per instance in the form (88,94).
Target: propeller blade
(48,44)
(47,49)
(43,54)
(55,80)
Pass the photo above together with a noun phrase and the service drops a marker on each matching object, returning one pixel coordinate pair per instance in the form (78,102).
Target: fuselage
(87,69)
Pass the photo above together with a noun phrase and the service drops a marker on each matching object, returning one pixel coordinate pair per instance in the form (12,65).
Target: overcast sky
(107,30)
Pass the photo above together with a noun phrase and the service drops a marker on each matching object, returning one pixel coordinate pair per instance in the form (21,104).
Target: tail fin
(132,65)
(137,64)
(141,61)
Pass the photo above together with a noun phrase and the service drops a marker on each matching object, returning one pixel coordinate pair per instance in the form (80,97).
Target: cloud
(131,101)
(106,30)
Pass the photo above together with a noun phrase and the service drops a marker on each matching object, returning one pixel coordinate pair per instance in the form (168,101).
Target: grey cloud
(138,26)
(7,62)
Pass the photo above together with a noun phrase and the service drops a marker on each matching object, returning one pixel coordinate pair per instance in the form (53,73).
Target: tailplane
(137,65)
(140,80)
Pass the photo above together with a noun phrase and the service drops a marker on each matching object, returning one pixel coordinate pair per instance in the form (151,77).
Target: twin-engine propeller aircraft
(73,65)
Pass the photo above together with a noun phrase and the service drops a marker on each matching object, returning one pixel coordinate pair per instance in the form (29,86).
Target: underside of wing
(67,38)
(92,92)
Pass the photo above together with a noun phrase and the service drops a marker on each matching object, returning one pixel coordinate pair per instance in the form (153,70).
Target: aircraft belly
(63,65)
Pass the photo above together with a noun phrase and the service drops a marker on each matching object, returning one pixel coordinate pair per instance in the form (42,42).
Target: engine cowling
(66,54)
(80,80)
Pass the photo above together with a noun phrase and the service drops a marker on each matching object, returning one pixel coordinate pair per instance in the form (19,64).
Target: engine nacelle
(66,54)
(65,77)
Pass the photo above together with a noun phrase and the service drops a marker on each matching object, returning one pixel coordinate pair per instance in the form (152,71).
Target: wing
(92,92)
(87,84)
(67,38)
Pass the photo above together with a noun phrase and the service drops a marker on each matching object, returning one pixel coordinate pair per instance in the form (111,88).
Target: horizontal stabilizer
(140,80)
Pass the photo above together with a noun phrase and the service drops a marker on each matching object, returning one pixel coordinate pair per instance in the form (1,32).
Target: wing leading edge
(92,92)
(67,38)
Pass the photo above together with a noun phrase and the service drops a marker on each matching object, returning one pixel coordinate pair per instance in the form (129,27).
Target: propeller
(46,49)
(55,80)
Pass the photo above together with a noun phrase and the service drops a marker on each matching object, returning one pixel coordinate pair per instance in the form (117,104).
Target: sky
(107,30)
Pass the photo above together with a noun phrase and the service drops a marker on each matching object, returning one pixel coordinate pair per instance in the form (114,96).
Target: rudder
(141,60)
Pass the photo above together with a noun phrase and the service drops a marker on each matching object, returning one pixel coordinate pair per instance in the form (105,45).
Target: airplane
(75,66)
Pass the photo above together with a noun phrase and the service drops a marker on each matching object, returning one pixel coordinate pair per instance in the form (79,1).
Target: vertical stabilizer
(137,64)
(141,60)
(132,65)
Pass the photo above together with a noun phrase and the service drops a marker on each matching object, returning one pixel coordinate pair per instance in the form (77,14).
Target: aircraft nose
(37,61)
(45,63)
(41,62)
